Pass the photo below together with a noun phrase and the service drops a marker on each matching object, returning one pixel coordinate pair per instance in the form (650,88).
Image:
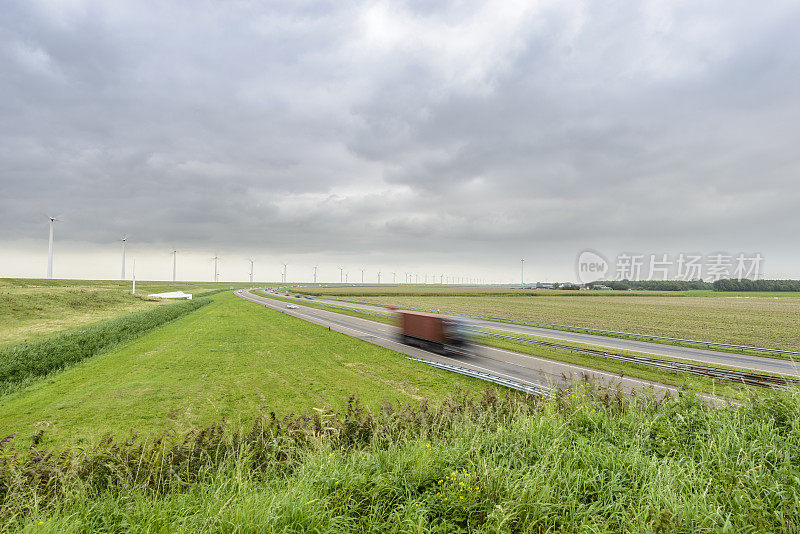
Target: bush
(23,362)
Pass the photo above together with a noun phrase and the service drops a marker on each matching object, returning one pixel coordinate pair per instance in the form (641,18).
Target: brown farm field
(760,319)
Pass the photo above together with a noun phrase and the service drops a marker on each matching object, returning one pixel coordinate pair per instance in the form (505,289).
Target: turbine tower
(124,239)
(174,264)
(251,269)
(283,276)
(341,274)
(522,273)
(379,277)
(315,274)
(394,277)
(50,249)
(216,272)
(362,276)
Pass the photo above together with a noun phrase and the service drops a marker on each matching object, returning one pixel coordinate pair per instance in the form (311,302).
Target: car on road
(292,306)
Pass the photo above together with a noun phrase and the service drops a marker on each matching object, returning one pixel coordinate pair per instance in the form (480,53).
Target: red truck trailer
(432,331)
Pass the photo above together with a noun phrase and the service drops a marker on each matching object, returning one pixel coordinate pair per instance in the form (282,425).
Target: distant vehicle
(292,306)
(309,297)
(434,332)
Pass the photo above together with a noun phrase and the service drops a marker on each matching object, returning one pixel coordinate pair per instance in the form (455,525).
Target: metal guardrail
(742,377)
(538,391)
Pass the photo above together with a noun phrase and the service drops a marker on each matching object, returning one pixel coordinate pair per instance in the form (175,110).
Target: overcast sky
(403,136)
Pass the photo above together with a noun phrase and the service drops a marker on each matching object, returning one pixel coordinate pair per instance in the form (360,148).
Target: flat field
(33,308)
(760,319)
(231,359)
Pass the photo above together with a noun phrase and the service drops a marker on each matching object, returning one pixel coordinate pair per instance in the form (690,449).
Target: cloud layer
(447,132)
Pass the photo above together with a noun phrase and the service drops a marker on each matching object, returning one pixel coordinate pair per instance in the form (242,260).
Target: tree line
(683,285)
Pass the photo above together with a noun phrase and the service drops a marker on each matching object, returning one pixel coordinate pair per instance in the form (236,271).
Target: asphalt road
(729,359)
(524,368)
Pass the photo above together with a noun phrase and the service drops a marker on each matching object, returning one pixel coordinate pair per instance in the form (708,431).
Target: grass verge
(19,364)
(229,359)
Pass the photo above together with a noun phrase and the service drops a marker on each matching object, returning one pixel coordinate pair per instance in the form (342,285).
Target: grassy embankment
(230,359)
(766,320)
(580,463)
(32,309)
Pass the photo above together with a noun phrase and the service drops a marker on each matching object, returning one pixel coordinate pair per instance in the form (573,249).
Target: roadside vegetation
(22,363)
(586,461)
(32,309)
(230,359)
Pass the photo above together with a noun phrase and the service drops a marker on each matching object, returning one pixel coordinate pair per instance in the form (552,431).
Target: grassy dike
(23,363)
(230,359)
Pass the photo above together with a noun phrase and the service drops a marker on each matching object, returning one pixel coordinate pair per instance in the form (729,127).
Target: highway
(741,361)
(523,368)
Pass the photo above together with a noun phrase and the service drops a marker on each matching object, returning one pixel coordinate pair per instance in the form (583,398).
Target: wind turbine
(522,272)
(379,277)
(315,274)
(362,276)
(283,276)
(216,272)
(345,277)
(50,248)
(174,264)
(124,239)
(251,269)
(341,274)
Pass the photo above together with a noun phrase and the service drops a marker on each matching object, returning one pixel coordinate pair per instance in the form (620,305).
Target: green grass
(230,359)
(20,364)
(32,309)
(756,321)
(583,462)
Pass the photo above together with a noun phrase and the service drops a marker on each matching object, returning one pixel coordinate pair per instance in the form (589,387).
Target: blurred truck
(434,332)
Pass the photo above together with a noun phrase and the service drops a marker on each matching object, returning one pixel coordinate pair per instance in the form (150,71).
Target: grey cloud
(402,128)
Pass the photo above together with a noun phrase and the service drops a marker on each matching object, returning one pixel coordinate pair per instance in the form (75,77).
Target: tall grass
(21,363)
(584,461)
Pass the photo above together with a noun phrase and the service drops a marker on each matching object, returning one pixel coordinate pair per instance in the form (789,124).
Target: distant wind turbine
(315,274)
(124,239)
(216,271)
(283,276)
(379,277)
(251,269)
(50,248)
(174,264)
